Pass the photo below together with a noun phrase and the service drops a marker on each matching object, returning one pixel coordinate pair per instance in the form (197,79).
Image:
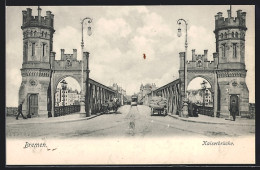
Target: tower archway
(200,92)
(67,92)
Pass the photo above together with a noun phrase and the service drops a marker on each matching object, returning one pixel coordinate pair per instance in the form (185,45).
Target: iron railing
(11,111)
(208,111)
(65,110)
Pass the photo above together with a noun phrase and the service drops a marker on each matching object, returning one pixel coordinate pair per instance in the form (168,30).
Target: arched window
(33,49)
(43,49)
(223,49)
(199,63)
(42,33)
(234,50)
(233,35)
(236,35)
(242,35)
(221,35)
(26,50)
(45,34)
(225,35)
(34,33)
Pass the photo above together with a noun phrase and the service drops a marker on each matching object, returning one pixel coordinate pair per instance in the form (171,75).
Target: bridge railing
(208,111)
(11,111)
(65,110)
(98,94)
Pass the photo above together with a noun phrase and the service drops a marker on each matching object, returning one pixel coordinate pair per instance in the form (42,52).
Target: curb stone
(187,120)
(62,121)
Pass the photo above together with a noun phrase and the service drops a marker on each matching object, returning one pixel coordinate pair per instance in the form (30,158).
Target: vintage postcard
(117,85)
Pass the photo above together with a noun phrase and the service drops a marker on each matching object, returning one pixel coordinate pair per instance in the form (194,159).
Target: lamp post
(203,86)
(64,87)
(185,100)
(82,106)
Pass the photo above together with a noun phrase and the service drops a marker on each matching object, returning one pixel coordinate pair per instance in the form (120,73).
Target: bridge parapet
(98,94)
(199,61)
(172,92)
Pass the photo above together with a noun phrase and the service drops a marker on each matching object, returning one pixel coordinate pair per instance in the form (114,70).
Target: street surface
(132,121)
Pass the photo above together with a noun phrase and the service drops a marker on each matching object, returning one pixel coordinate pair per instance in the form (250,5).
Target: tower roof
(37,21)
(230,22)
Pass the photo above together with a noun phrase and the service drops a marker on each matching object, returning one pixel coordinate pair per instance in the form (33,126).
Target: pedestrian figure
(190,109)
(105,107)
(233,109)
(20,108)
(195,110)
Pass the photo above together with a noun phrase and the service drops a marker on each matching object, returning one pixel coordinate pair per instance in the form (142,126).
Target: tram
(134,100)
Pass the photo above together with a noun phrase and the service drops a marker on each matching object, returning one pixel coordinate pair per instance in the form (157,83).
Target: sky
(120,37)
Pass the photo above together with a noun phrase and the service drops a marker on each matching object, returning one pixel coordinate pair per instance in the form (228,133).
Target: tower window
(33,49)
(199,63)
(234,50)
(236,35)
(233,35)
(26,49)
(225,35)
(223,50)
(43,49)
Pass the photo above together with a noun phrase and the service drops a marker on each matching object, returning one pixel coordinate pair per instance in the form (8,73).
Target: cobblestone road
(132,121)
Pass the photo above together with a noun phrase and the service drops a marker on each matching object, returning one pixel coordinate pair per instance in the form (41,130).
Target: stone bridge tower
(231,71)
(37,45)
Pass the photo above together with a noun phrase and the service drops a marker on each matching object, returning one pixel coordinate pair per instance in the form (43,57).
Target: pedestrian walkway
(215,120)
(66,118)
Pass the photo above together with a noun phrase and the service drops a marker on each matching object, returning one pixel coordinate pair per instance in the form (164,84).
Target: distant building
(145,89)
(121,93)
(196,96)
(66,97)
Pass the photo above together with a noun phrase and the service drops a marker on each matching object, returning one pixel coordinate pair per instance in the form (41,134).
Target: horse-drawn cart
(158,105)
(111,106)
(159,111)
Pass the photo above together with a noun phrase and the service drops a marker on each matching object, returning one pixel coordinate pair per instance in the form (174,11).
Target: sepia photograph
(130,85)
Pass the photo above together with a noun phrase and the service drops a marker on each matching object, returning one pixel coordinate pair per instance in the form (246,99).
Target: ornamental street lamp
(185,99)
(64,87)
(203,86)
(82,107)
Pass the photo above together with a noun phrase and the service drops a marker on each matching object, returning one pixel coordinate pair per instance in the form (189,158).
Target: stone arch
(206,78)
(61,77)
(56,82)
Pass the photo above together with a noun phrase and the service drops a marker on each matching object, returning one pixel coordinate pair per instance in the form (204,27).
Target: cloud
(13,74)
(154,26)
(67,38)
(125,10)
(113,27)
(199,38)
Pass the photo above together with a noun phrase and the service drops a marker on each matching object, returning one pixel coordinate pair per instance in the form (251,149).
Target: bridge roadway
(132,121)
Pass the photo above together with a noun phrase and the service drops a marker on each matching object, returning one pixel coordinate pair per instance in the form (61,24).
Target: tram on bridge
(134,100)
